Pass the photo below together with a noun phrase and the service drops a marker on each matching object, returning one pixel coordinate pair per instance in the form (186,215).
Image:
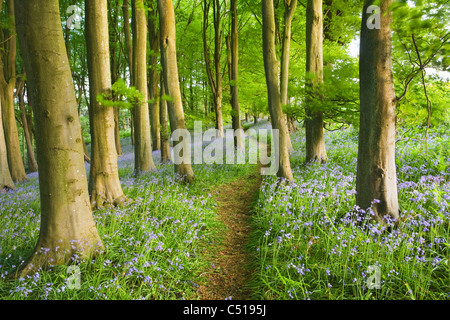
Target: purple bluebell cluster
(315,239)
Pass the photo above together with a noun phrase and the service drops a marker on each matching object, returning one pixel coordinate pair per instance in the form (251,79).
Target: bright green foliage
(421,41)
(128,96)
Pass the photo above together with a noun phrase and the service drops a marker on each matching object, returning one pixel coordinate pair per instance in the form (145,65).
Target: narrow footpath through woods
(230,272)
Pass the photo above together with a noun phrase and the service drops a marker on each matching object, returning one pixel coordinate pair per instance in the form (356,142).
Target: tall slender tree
(128,37)
(271,66)
(314,126)
(7,86)
(171,82)
(164,132)
(31,160)
(142,135)
(115,58)
(234,74)
(153,78)
(104,183)
(67,226)
(5,176)
(376,180)
(214,69)
(289,9)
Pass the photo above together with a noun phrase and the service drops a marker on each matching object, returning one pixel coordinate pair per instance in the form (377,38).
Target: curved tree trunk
(171,81)
(278,118)
(104,184)
(314,127)
(67,226)
(142,135)
(376,178)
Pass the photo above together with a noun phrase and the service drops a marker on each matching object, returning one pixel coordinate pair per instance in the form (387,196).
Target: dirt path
(230,273)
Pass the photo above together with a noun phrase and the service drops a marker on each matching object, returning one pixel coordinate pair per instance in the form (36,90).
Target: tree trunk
(376,174)
(290,7)
(142,141)
(129,54)
(115,58)
(32,164)
(104,184)
(87,157)
(215,78)
(278,118)
(128,38)
(234,75)
(171,81)
(164,132)
(314,128)
(154,79)
(7,85)
(6,181)
(15,161)
(67,227)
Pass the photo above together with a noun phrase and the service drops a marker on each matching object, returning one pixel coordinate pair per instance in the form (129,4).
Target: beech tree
(104,184)
(142,135)
(289,9)
(214,69)
(7,86)
(153,77)
(234,73)
(115,48)
(271,66)
(5,176)
(171,80)
(164,132)
(314,126)
(31,160)
(376,180)
(67,226)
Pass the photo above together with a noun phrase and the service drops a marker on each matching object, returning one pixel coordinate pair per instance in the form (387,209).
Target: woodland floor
(230,272)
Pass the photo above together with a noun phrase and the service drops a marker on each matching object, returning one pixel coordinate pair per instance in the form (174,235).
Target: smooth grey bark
(142,134)
(7,86)
(5,176)
(115,58)
(164,132)
(214,70)
(271,66)
(376,178)
(128,37)
(154,78)
(289,9)
(67,226)
(234,77)
(104,183)
(314,126)
(171,81)
(31,160)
